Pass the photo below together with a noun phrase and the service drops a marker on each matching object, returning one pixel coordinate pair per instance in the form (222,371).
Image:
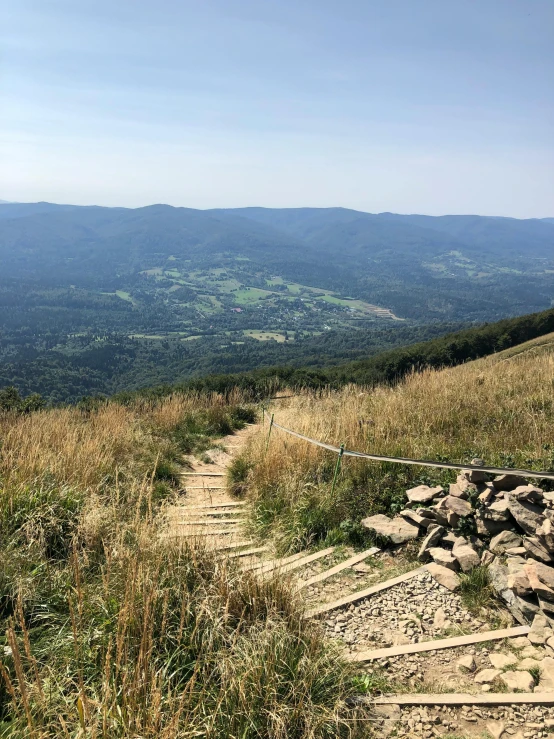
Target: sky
(410,106)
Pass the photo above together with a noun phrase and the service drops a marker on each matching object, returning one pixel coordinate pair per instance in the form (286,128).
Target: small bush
(475,589)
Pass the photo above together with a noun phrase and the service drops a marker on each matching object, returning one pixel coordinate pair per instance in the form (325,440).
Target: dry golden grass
(502,412)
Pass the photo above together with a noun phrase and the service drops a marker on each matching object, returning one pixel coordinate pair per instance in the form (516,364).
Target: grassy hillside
(500,411)
(107,630)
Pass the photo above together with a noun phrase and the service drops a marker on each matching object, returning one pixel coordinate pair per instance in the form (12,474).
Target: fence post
(269,434)
(337,468)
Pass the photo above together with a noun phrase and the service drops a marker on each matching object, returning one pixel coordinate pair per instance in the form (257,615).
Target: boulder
(528,493)
(529,664)
(545,534)
(474,475)
(424,494)
(518,680)
(527,516)
(488,527)
(452,519)
(501,661)
(498,577)
(503,541)
(534,547)
(445,577)
(545,574)
(541,589)
(528,607)
(444,558)
(539,631)
(487,558)
(486,493)
(519,583)
(456,505)
(466,555)
(487,676)
(462,488)
(546,680)
(398,530)
(434,535)
(508,482)
(417,518)
(497,511)
(516,552)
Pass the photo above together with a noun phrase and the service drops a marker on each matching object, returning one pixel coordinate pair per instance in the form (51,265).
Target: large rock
(455,505)
(528,493)
(462,488)
(486,492)
(424,494)
(488,527)
(519,583)
(540,630)
(518,680)
(498,578)
(535,548)
(502,661)
(498,511)
(487,675)
(508,482)
(398,530)
(546,680)
(434,535)
(545,534)
(445,577)
(504,540)
(417,518)
(466,555)
(545,574)
(541,589)
(527,516)
(444,558)
(474,475)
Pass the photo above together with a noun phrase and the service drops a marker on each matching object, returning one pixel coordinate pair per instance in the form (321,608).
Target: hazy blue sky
(429,106)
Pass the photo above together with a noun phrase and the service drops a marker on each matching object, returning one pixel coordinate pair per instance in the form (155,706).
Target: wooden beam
(205,487)
(429,646)
(360,594)
(276,562)
(338,568)
(462,699)
(203,474)
(210,506)
(299,562)
(249,552)
(205,522)
(206,513)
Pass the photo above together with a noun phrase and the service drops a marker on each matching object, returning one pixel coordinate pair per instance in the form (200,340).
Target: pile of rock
(513,523)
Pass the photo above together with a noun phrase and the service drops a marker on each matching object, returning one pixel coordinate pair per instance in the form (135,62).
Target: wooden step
(205,487)
(338,568)
(460,699)
(249,552)
(360,594)
(206,522)
(299,562)
(200,512)
(203,474)
(213,505)
(429,646)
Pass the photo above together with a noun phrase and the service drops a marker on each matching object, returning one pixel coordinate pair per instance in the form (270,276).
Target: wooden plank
(338,568)
(429,646)
(360,594)
(276,562)
(207,513)
(462,699)
(210,506)
(300,562)
(249,552)
(205,522)
(205,487)
(204,474)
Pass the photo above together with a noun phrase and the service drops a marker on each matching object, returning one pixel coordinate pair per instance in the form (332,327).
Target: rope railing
(342,452)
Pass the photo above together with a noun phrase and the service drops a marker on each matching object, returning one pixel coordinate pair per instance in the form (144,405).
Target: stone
(457,491)
(496,728)
(487,526)
(529,493)
(449,539)
(501,661)
(487,675)
(434,535)
(528,516)
(538,632)
(545,574)
(416,517)
(444,558)
(497,511)
(424,494)
(474,475)
(542,590)
(527,606)
(529,664)
(518,680)
(508,482)
(466,556)
(398,530)
(503,541)
(546,680)
(546,605)
(519,583)
(486,493)
(456,505)
(466,663)
(516,552)
(545,534)
(498,577)
(445,577)
(534,547)
(487,558)
(439,620)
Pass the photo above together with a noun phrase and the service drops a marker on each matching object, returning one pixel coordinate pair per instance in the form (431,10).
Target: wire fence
(341,451)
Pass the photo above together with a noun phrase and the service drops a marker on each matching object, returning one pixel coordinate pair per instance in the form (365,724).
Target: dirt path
(207,511)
